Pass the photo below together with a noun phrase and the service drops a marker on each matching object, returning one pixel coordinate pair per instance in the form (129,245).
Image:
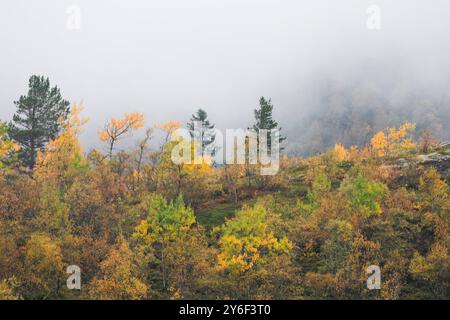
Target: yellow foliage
(192,163)
(204,166)
(199,163)
(394,142)
(340,154)
(247,242)
(65,149)
(379,143)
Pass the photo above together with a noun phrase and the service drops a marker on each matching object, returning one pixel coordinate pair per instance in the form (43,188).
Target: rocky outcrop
(439,160)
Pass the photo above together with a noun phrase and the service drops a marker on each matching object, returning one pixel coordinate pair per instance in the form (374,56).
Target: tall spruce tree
(36,120)
(207,135)
(264,120)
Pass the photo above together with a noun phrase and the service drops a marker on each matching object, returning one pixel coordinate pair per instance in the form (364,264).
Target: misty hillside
(350,114)
(224,150)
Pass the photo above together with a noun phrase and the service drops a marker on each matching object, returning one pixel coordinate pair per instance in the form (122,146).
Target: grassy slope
(216,214)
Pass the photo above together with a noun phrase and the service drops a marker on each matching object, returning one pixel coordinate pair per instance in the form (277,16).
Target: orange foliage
(118,127)
(169,126)
(394,142)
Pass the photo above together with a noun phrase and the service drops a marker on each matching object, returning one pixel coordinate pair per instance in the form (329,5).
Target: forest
(139,226)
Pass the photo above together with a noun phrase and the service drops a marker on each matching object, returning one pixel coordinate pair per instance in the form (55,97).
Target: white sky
(166,58)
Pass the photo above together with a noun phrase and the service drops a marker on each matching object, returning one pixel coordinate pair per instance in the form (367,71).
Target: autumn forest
(140,226)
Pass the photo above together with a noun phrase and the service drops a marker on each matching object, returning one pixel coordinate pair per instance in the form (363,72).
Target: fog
(167,58)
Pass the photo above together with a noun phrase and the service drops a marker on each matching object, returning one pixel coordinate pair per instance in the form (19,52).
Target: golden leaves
(339,152)
(379,143)
(394,142)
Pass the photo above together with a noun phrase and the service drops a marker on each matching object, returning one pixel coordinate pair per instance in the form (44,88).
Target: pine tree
(207,135)
(37,119)
(264,120)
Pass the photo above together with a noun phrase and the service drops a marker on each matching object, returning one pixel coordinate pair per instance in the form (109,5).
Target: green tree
(336,248)
(364,195)
(165,223)
(264,120)
(8,148)
(36,120)
(207,134)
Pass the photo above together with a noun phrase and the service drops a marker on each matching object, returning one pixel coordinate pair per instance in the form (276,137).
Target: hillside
(142,227)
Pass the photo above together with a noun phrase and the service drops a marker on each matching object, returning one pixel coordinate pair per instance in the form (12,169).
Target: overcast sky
(166,58)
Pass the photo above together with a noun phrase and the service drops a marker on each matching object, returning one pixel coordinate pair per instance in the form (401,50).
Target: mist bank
(349,105)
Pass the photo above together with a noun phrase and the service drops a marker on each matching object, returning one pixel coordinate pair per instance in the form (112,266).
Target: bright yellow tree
(379,144)
(247,242)
(339,152)
(394,142)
